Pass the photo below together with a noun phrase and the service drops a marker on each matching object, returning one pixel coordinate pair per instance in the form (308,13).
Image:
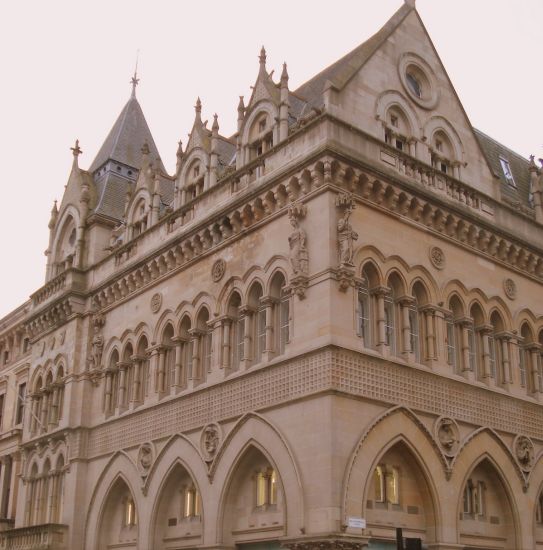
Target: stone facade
(321,329)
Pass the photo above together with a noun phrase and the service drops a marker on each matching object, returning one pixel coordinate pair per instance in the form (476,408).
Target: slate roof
(126,138)
(518,164)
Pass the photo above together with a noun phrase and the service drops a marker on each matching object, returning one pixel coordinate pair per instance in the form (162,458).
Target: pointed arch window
(266,488)
(237,332)
(386,481)
(191,502)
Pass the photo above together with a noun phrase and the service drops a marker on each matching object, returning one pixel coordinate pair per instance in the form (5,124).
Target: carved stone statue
(95,359)
(299,257)
(345,234)
(448,435)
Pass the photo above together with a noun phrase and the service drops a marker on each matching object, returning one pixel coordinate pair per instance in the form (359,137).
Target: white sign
(357,523)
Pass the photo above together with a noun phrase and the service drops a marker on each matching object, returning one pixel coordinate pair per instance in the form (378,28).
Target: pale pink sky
(66,68)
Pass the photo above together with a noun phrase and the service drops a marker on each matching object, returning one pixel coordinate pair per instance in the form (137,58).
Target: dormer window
(507,172)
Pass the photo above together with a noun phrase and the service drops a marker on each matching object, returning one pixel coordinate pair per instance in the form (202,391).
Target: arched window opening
(111,386)
(142,372)
(397,129)
(130,516)
(387,484)
(202,348)
(255,325)
(367,307)
(422,328)
(32,497)
(140,216)
(66,247)
(531,361)
(166,365)
(442,152)
(502,350)
(396,317)
(125,378)
(260,136)
(179,512)
(482,348)
(195,180)
(36,423)
(539,509)
(278,329)
(57,491)
(184,366)
(460,339)
(237,332)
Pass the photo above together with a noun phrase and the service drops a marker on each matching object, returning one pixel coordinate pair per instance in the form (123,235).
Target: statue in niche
(297,240)
(345,234)
(95,359)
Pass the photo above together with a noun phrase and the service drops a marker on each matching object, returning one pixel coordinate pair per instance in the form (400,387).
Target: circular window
(414,84)
(419,80)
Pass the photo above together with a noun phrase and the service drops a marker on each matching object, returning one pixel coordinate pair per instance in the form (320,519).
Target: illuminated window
(191,502)
(130,517)
(266,488)
(386,481)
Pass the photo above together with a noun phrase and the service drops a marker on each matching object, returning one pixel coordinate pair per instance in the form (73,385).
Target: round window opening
(414,84)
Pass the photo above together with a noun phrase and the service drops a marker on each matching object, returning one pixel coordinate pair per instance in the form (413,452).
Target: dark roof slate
(126,138)
(518,164)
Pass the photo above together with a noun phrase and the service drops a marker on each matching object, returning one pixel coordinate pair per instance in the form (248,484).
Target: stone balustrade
(48,536)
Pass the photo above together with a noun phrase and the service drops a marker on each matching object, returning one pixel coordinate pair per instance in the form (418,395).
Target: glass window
(414,84)
(364,315)
(284,329)
(20,403)
(451,342)
(506,168)
(414,334)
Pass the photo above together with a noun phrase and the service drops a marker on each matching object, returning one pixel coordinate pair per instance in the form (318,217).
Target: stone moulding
(327,173)
(323,370)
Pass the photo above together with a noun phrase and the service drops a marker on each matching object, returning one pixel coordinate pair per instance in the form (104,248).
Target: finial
(179,148)
(76,150)
(54,215)
(135,80)
(262,57)
(215,126)
(198,106)
(241,105)
(410,3)
(284,74)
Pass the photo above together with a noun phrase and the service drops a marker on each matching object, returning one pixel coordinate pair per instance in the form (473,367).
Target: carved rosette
(437,257)
(524,452)
(218,269)
(156,302)
(510,288)
(210,440)
(146,456)
(447,435)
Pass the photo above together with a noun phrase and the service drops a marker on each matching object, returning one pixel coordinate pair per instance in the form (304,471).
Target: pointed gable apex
(340,73)
(126,138)
(265,87)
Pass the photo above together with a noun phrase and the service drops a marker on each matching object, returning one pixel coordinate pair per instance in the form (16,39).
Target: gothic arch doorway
(486,518)
(118,526)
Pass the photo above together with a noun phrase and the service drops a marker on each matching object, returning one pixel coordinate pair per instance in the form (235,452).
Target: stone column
(178,367)
(53,417)
(406,302)
(160,386)
(195,375)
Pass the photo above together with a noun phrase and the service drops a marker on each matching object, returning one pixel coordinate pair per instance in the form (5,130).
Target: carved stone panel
(523,449)
(210,440)
(447,435)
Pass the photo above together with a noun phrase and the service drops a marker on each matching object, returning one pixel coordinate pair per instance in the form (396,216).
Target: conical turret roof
(125,140)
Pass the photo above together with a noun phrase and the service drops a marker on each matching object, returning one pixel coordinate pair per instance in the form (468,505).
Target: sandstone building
(324,327)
